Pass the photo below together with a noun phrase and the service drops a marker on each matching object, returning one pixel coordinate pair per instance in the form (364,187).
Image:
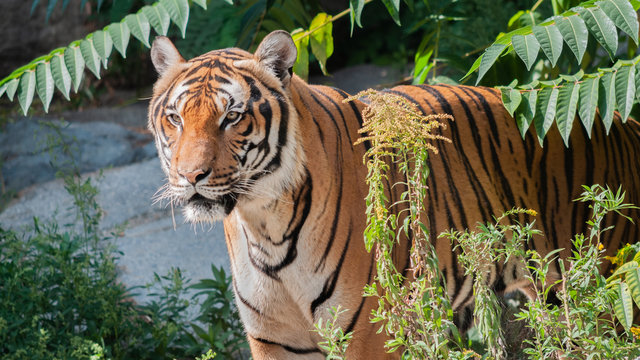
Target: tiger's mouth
(200,203)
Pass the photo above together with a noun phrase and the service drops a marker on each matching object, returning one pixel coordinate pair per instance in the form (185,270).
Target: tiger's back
(243,140)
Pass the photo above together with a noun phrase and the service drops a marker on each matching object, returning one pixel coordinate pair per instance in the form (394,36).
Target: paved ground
(111,146)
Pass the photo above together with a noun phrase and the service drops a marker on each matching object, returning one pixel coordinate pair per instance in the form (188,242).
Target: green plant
(415,314)
(582,327)
(223,330)
(62,297)
(591,83)
(334,341)
(207,356)
(64,67)
(480,250)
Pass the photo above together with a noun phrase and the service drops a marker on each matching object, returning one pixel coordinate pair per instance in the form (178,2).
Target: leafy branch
(541,102)
(319,36)
(64,67)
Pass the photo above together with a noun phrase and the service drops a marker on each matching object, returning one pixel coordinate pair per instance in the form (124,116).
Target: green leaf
(625,90)
(527,48)
(12,86)
(393,7)
(545,112)
(602,28)
(622,14)
(566,111)
(75,64)
(139,26)
(356,7)
(301,67)
(26,90)
(103,45)
(511,99)
(573,78)
(575,34)
(50,6)
(622,270)
(3,88)
(550,41)
(60,74)
(201,3)
(422,60)
(422,66)
(632,278)
(637,67)
(488,58)
(158,18)
(623,307)
(321,40)
(473,68)
(34,5)
(90,56)
(526,111)
(120,33)
(44,84)
(179,12)
(588,102)
(607,99)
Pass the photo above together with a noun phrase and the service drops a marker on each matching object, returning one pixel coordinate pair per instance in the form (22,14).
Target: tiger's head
(225,126)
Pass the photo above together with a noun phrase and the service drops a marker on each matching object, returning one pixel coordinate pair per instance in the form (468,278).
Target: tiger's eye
(175,120)
(233,115)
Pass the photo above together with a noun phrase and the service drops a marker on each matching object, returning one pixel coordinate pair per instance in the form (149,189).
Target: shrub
(61,298)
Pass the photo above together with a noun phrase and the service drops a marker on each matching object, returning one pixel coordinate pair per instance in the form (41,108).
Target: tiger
(245,141)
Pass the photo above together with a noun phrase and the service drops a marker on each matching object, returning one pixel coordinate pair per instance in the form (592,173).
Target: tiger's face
(225,126)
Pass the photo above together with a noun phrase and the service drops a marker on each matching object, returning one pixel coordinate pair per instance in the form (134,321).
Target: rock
(32,149)
(149,243)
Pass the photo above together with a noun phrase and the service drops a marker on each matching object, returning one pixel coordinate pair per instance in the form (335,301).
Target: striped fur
(289,184)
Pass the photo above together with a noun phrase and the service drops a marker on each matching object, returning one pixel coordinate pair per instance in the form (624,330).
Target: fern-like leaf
(607,99)
(60,74)
(26,90)
(625,90)
(575,34)
(44,84)
(63,68)
(567,106)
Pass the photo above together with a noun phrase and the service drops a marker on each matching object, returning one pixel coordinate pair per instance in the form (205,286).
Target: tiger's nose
(194,176)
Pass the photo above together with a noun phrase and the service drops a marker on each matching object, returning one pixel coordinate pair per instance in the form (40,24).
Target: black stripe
(330,284)
(356,315)
(291,235)
(489,113)
(245,301)
(289,348)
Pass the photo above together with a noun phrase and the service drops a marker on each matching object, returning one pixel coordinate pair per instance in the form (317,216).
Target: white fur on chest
(274,300)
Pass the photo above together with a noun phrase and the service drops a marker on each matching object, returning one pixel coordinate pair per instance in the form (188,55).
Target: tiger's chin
(199,209)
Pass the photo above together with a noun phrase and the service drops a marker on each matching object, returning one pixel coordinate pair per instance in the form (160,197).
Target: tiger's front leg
(264,350)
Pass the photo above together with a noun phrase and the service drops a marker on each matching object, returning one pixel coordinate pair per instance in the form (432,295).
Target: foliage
(626,279)
(64,67)
(335,341)
(62,297)
(582,327)
(551,96)
(479,252)
(416,315)
(224,331)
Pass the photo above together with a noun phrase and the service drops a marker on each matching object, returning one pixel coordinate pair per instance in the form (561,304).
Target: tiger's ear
(164,54)
(278,52)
